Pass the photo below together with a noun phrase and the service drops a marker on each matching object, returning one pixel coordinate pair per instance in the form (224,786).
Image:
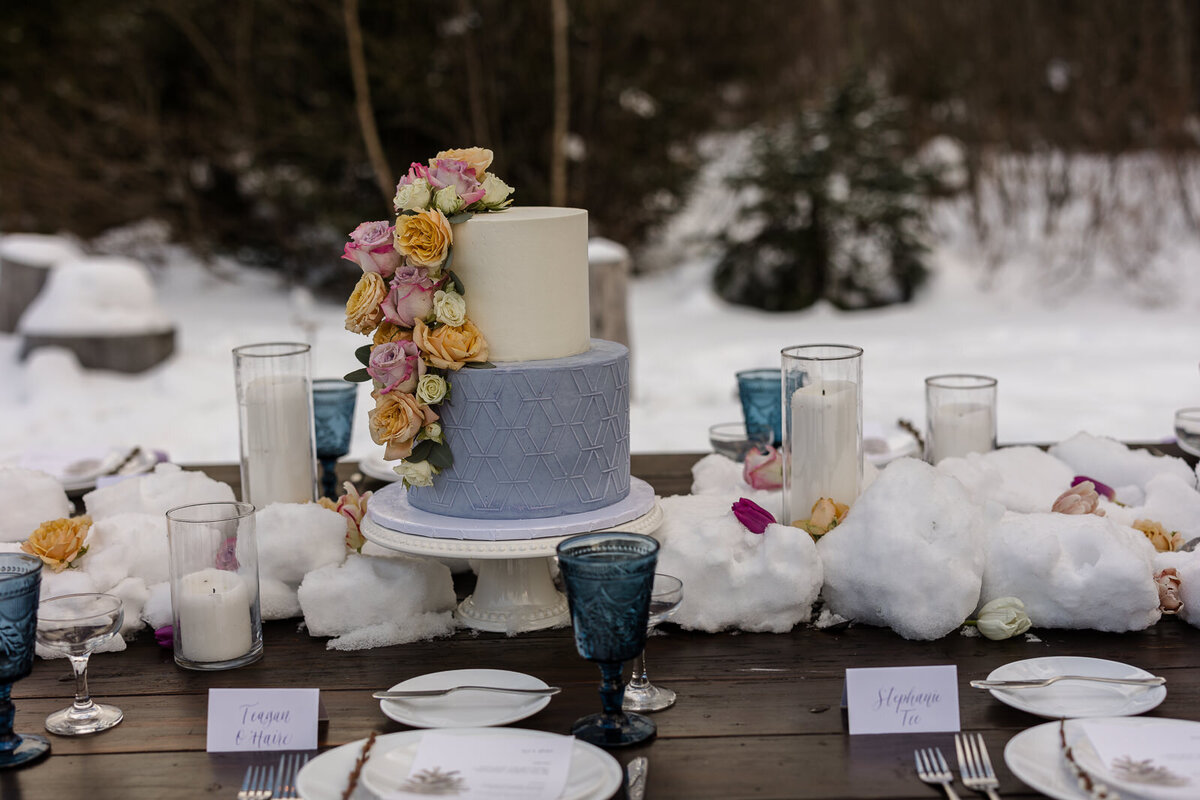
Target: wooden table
(757,716)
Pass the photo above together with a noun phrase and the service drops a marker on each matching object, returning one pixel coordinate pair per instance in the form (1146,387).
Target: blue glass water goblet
(20,583)
(762,403)
(333,419)
(608,578)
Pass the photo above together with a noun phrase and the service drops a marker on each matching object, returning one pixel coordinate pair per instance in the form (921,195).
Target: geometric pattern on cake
(535,439)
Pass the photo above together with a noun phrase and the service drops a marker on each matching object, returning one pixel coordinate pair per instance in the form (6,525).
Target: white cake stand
(514,592)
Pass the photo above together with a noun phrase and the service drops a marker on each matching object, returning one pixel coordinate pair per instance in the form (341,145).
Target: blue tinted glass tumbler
(20,581)
(608,578)
(333,418)
(759,390)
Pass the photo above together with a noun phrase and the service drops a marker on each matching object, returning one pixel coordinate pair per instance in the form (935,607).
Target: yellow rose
(449,347)
(395,422)
(58,542)
(363,309)
(478,157)
(389,332)
(1163,541)
(424,238)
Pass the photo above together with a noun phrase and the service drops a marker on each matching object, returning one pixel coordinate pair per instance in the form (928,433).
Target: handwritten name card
(262,719)
(902,699)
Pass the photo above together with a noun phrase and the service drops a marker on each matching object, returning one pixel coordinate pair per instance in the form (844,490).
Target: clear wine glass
(1187,430)
(608,577)
(333,419)
(640,693)
(75,625)
(20,581)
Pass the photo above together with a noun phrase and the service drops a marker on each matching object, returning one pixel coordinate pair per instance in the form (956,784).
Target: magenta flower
(165,636)
(1101,488)
(227,555)
(459,174)
(371,247)
(752,515)
(410,297)
(763,470)
(397,366)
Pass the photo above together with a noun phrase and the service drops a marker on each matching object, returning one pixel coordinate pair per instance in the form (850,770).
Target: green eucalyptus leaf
(456,282)
(479,365)
(449,259)
(363,354)
(358,376)
(461,216)
(421,451)
(409,212)
(441,456)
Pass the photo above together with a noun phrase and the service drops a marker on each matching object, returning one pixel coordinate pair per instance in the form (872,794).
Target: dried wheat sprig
(358,766)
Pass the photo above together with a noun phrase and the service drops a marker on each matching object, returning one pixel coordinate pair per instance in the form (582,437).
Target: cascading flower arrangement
(413,306)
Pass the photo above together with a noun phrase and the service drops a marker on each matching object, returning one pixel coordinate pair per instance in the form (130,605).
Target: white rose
(432,431)
(412,196)
(431,390)
(447,200)
(419,473)
(449,308)
(496,192)
(1002,618)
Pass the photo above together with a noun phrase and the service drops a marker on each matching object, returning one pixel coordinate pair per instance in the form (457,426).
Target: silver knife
(635,778)
(1035,683)
(400,695)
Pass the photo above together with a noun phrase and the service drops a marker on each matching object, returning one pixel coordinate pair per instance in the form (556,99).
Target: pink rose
(371,247)
(1168,591)
(752,515)
(458,174)
(763,470)
(410,297)
(415,170)
(396,365)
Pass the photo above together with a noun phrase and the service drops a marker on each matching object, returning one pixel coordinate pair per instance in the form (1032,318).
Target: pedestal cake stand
(514,592)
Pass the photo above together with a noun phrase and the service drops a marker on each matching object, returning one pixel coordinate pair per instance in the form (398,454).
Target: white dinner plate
(1181,731)
(375,467)
(1035,756)
(1076,698)
(593,774)
(883,444)
(466,708)
(78,470)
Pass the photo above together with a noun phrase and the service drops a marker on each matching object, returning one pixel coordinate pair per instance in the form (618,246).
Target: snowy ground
(1085,350)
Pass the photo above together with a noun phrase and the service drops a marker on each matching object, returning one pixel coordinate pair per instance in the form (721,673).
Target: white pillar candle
(960,428)
(214,616)
(824,446)
(279,459)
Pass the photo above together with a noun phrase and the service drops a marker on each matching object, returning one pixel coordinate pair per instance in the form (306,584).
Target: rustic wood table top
(757,716)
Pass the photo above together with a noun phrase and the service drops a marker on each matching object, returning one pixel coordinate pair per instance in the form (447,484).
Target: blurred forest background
(267,129)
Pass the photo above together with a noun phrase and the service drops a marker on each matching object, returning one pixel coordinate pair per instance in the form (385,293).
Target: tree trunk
(562,110)
(362,101)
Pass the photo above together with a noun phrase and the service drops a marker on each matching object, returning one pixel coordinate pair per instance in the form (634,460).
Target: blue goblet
(20,581)
(760,394)
(333,418)
(608,578)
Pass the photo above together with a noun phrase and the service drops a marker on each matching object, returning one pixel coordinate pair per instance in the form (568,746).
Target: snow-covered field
(1086,351)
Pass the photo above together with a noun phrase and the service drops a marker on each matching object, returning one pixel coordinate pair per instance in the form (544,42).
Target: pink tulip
(1101,488)
(752,515)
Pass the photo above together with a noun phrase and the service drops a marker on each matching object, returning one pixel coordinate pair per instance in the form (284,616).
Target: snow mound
(29,498)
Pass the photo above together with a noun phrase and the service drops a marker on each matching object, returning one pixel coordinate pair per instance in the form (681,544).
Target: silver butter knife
(400,695)
(635,778)
(1038,683)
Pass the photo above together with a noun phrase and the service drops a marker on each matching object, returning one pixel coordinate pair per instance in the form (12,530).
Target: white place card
(262,719)
(492,767)
(902,699)
(1165,757)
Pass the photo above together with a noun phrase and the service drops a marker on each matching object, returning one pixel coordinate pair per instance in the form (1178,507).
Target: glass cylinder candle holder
(758,390)
(821,401)
(960,416)
(214,585)
(275,415)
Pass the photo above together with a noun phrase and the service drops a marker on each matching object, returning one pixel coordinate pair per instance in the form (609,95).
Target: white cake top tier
(525,271)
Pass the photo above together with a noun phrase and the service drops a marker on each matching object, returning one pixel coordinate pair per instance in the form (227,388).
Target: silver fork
(257,783)
(289,765)
(977,772)
(932,768)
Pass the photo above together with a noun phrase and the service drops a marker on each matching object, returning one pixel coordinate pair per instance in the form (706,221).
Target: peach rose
(395,422)
(480,158)
(1169,584)
(58,542)
(449,347)
(388,332)
(364,308)
(1163,541)
(424,238)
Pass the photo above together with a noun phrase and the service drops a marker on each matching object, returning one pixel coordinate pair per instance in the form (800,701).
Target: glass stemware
(1187,430)
(640,693)
(75,625)
(333,418)
(20,582)
(608,578)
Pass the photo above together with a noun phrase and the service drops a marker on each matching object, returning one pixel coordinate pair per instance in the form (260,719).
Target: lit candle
(824,442)
(280,466)
(214,616)
(960,428)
